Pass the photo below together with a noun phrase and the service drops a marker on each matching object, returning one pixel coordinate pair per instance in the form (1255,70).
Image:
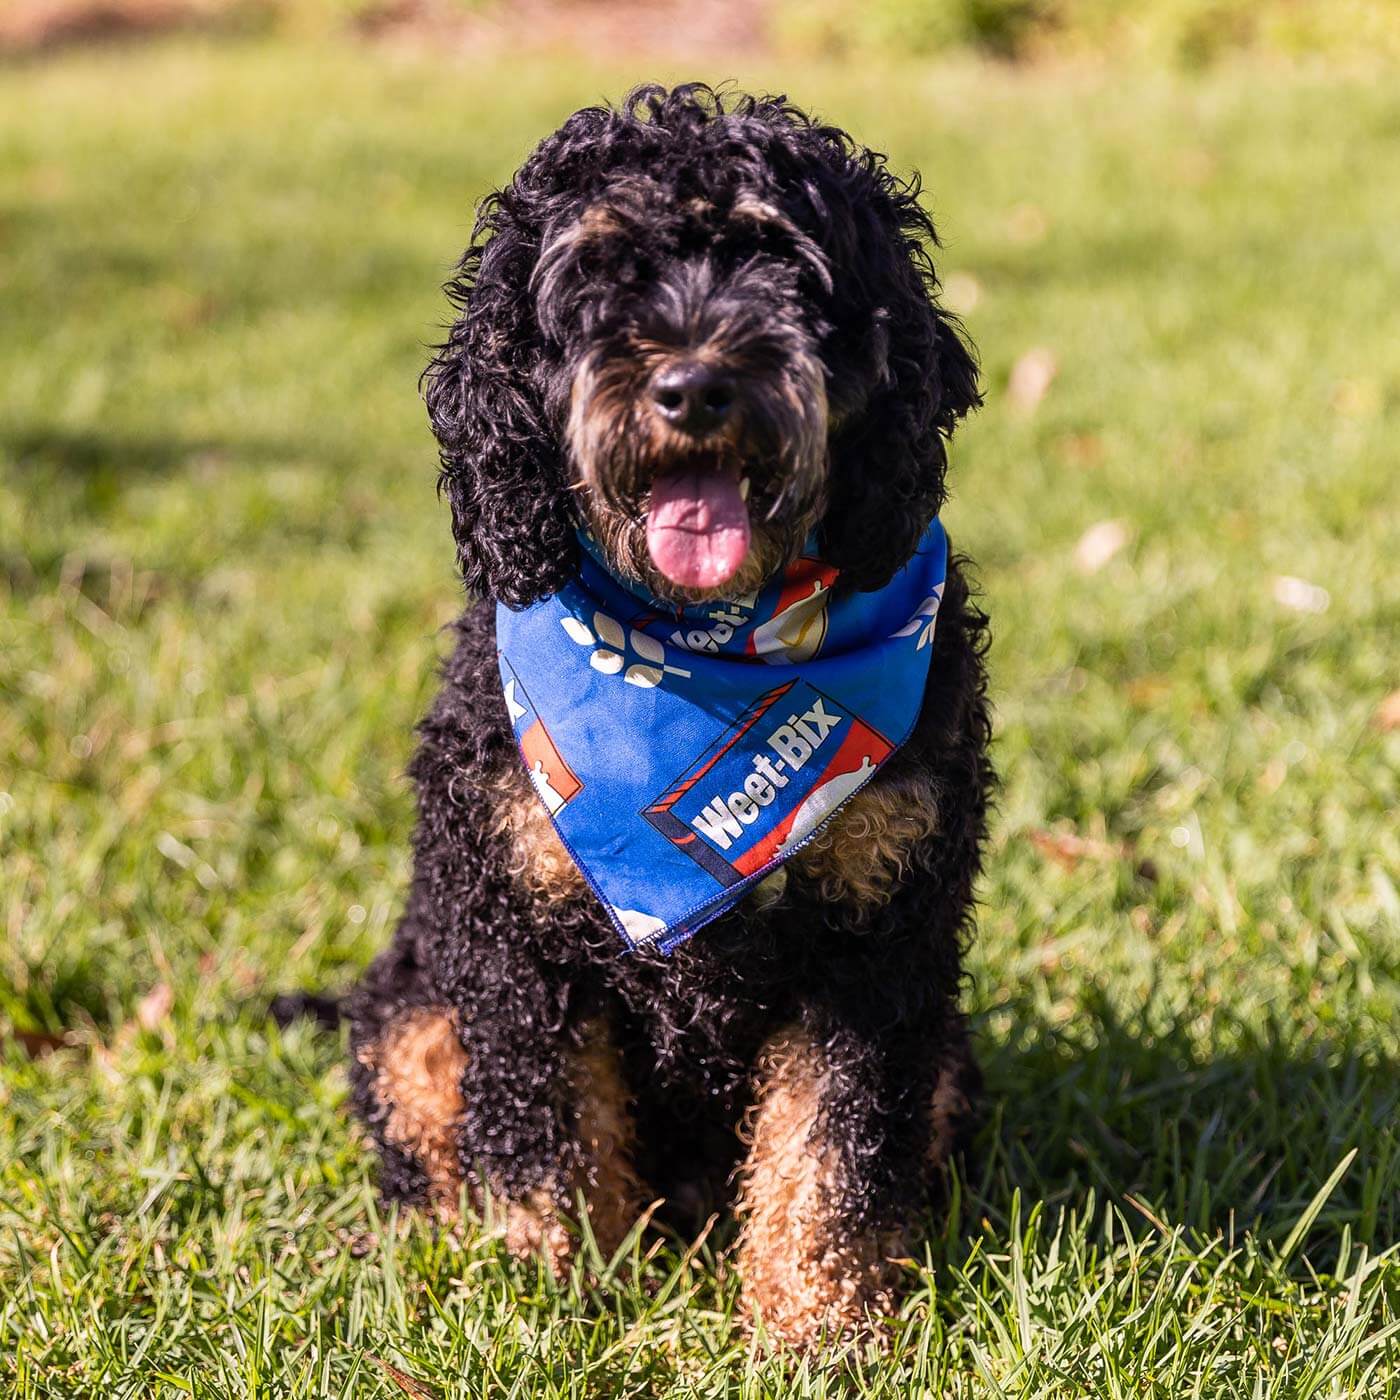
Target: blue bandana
(685,753)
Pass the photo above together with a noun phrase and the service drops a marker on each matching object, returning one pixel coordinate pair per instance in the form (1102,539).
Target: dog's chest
(857,859)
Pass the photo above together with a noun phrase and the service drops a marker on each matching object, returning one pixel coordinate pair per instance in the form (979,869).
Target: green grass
(1185,33)
(222,577)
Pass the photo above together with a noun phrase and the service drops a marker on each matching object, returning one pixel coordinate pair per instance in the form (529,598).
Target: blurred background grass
(223,571)
(1172,33)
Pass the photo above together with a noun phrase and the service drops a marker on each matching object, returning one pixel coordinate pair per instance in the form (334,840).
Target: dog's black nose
(693,397)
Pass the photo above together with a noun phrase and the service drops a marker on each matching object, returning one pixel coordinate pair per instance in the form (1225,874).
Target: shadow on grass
(88,454)
(90,471)
(1238,1138)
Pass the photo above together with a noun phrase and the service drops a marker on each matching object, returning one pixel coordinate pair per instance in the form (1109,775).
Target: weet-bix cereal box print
(790,759)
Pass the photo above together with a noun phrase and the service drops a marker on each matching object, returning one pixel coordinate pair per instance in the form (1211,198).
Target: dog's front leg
(848,1126)
(547,1125)
(483,1081)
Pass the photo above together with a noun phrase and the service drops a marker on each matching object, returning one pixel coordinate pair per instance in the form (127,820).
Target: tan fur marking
(599,221)
(607,1134)
(803,1274)
(608,1183)
(595,225)
(418,1067)
(534,1226)
(858,857)
(537,856)
(950,1107)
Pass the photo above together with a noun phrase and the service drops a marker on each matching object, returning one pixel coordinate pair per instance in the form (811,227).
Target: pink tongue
(697,527)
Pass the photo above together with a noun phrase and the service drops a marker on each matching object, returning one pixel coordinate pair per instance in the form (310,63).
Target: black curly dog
(710,279)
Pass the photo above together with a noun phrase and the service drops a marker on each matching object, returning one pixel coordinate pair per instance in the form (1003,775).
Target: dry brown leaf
(1193,166)
(406,1383)
(1027,223)
(1148,690)
(961,292)
(1387,715)
(1098,544)
(1298,595)
(1068,849)
(1031,376)
(1081,449)
(1357,398)
(38,1044)
(155,1006)
(1155,1219)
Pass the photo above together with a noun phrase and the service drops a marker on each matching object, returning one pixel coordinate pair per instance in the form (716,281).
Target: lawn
(223,575)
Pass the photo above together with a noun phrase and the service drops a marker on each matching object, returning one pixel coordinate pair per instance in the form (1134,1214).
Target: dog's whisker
(780,499)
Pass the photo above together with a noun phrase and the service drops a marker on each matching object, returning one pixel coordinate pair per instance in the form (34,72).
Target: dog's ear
(502,470)
(889,460)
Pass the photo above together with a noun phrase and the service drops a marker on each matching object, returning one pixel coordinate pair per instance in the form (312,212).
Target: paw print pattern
(610,642)
(923,622)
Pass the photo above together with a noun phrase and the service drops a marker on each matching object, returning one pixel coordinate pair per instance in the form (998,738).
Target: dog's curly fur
(811,1039)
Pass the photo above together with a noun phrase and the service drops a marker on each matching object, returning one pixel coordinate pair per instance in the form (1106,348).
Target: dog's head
(702,326)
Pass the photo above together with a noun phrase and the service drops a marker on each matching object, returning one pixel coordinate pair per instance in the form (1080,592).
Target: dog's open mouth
(698,523)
